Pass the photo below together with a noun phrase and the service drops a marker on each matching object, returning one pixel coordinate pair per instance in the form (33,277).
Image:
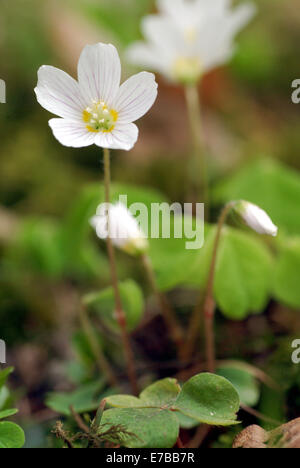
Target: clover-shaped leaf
(153,420)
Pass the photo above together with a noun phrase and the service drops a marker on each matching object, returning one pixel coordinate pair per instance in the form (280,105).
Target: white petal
(240,17)
(70,133)
(182,13)
(99,72)
(172,6)
(135,97)
(60,94)
(123,137)
(147,56)
(168,6)
(94,221)
(161,31)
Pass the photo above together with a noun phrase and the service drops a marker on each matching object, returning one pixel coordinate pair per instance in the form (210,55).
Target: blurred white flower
(96,109)
(256,218)
(189,37)
(123,229)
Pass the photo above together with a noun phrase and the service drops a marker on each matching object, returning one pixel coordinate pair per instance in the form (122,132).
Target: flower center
(99,118)
(187,70)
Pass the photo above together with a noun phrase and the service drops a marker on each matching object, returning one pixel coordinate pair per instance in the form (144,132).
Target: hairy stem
(120,315)
(198,167)
(207,304)
(174,327)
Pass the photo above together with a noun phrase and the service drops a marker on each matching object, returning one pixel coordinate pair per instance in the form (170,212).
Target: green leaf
(82,348)
(243,272)
(269,184)
(83,400)
(245,384)
(4,374)
(11,435)
(185,422)
(287,273)
(172,254)
(103,304)
(151,427)
(243,275)
(7,413)
(155,417)
(162,393)
(37,247)
(124,401)
(76,227)
(210,399)
(4,397)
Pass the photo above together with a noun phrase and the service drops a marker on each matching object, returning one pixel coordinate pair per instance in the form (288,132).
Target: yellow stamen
(99,118)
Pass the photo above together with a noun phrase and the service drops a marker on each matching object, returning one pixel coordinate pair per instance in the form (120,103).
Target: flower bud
(255,218)
(123,230)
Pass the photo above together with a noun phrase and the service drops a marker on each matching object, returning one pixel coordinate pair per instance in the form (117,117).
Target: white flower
(123,229)
(189,37)
(256,218)
(96,109)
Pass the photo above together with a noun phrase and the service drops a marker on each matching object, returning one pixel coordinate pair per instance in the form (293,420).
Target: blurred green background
(248,116)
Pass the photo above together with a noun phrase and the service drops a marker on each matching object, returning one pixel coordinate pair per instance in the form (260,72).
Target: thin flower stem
(198,166)
(120,315)
(176,332)
(79,421)
(193,330)
(207,304)
(102,363)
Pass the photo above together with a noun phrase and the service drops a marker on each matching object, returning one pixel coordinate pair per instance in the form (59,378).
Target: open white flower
(256,218)
(123,228)
(96,109)
(189,37)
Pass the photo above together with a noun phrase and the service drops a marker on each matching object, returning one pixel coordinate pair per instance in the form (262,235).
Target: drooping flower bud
(255,218)
(123,228)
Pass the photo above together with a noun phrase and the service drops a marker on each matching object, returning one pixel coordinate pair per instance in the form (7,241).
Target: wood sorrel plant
(97,110)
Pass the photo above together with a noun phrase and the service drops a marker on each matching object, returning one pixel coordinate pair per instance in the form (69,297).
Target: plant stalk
(207,304)
(120,315)
(198,164)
